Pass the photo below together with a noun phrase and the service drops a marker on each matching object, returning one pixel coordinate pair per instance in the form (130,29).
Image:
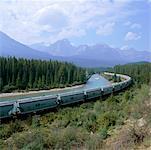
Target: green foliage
(78,127)
(114,78)
(141,73)
(103,133)
(35,121)
(107,119)
(139,100)
(81,127)
(7,130)
(37,74)
(8,88)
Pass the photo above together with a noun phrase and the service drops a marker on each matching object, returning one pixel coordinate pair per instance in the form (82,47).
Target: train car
(129,82)
(107,90)
(5,108)
(124,84)
(37,104)
(117,87)
(93,93)
(69,98)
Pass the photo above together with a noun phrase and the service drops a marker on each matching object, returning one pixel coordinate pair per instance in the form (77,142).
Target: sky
(119,23)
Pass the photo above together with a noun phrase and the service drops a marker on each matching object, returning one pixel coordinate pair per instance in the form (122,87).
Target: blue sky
(118,23)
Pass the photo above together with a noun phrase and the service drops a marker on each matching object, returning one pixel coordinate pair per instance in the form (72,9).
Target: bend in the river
(96,81)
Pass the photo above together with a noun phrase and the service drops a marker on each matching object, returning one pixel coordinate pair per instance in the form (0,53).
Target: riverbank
(25,93)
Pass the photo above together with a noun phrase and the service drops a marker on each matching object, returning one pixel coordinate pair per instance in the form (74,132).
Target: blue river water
(96,81)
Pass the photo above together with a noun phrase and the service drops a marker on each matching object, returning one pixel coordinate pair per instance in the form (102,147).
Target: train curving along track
(96,87)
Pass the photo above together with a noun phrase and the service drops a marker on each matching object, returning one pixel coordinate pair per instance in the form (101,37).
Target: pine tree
(24,73)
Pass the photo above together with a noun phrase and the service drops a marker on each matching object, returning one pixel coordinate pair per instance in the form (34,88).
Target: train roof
(39,98)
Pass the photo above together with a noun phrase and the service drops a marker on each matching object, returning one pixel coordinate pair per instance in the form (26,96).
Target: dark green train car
(107,90)
(5,108)
(117,87)
(93,93)
(37,104)
(124,85)
(70,98)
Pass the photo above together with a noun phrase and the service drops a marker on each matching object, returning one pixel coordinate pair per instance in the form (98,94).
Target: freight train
(30,105)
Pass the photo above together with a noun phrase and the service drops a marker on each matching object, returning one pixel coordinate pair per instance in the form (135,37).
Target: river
(96,81)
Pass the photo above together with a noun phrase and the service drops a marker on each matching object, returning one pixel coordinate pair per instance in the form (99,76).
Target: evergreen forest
(24,74)
(140,72)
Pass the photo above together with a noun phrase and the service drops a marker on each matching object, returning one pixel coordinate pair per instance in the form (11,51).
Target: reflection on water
(96,81)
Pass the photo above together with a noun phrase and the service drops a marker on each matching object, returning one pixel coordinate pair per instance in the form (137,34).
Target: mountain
(94,55)
(131,55)
(59,48)
(10,47)
(97,55)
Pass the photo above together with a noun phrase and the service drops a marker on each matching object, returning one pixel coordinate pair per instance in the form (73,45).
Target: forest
(141,72)
(119,121)
(24,74)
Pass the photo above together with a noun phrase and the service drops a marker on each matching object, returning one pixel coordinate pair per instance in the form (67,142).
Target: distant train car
(37,104)
(5,108)
(107,90)
(93,93)
(69,98)
(117,87)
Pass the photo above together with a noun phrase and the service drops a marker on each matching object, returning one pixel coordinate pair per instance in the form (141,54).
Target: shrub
(36,121)
(107,119)
(7,130)
(103,133)
(8,88)
(98,107)
(93,142)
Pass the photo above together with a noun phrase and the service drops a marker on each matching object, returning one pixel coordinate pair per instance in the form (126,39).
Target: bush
(98,107)
(103,133)
(8,88)
(94,142)
(107,119)
(7,130)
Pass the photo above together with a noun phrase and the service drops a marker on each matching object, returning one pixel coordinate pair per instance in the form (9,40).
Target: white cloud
(135,26)
(32,21)
(131,36)
(132,25)
(106,29)
(125,47)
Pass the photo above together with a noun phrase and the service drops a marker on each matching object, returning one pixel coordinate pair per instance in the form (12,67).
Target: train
(35,104)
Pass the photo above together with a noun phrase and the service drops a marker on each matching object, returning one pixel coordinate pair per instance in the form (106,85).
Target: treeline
(24,74)
(97,70)
(141,72)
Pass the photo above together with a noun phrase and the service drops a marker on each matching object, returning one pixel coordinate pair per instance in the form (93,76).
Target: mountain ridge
(11,47)
(99,52)
(97,55)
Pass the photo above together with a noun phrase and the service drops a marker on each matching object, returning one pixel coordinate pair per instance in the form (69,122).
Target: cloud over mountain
(132,36)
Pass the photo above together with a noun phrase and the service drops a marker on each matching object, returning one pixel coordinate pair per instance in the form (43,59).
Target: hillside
(11,47)
(120,121)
